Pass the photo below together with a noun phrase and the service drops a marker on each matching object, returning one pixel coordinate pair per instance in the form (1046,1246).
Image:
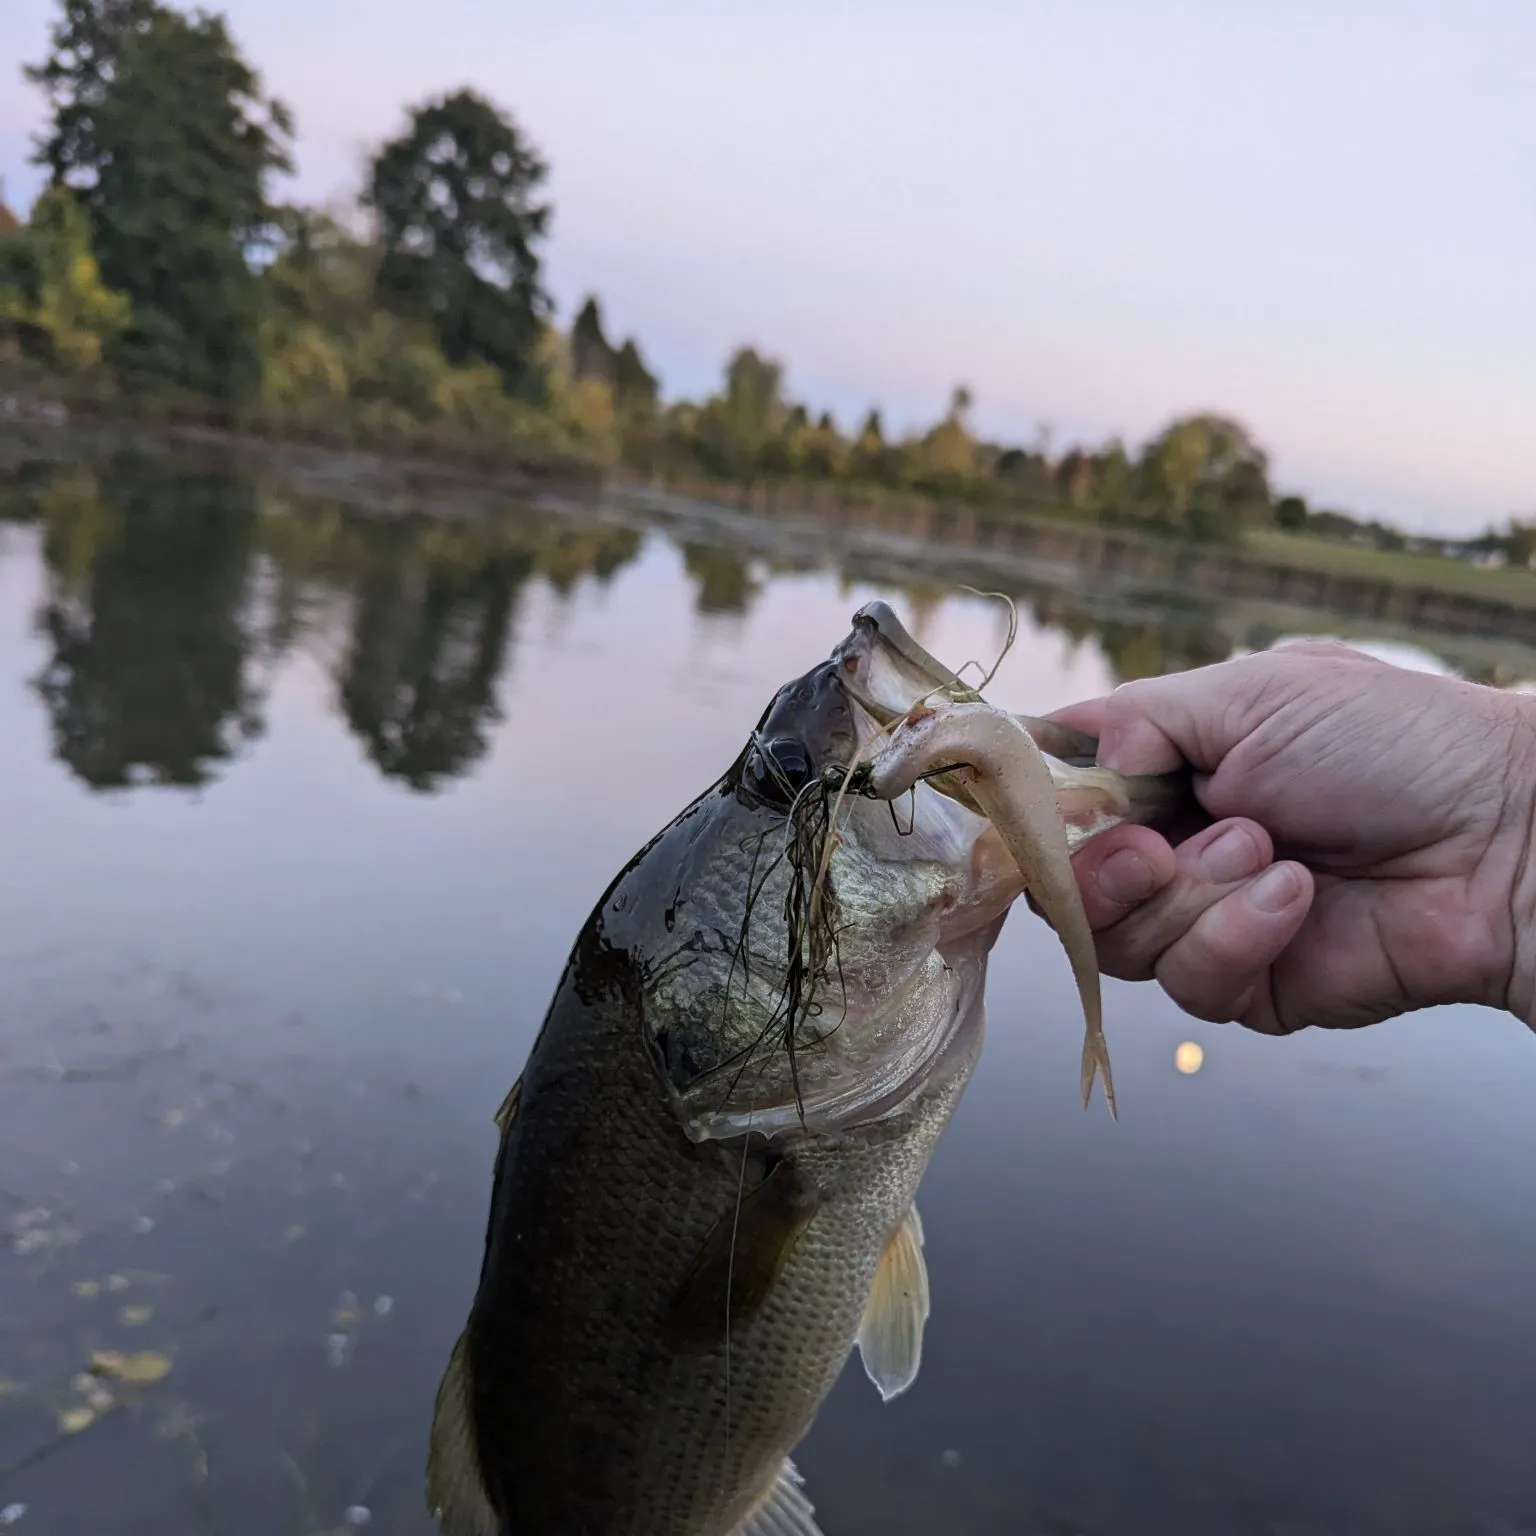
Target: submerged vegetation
(157,277)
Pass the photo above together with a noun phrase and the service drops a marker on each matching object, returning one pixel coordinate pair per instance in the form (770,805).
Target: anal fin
(785,1512)
(891,1335)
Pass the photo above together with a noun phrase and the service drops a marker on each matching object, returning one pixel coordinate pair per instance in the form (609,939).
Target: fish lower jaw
(854,1095)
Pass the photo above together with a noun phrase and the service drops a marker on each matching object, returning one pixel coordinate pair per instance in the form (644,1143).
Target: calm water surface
(301,812)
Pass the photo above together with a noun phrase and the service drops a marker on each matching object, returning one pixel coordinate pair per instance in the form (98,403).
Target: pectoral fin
(891,1335)
(741,1261)
(455,1491)
(785,1512)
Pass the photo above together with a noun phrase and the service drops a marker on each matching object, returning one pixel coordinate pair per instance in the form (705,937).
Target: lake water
(302,809)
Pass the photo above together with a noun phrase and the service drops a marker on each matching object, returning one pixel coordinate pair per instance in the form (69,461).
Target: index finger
(1086,716)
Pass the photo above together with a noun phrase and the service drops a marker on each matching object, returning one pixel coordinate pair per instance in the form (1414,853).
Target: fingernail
(1275,889)
(1125,878)
(1232,856)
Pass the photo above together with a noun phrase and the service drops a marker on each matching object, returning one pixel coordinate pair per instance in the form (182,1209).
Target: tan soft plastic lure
(992,757)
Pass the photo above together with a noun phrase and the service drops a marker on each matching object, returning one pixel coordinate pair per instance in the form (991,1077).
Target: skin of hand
(1369,851)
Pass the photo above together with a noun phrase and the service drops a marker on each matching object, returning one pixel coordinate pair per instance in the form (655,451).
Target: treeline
(156,275)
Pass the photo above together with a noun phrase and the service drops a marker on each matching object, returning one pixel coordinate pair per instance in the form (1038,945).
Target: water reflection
(148,620)
(172,593)
(429,635)
(725,583)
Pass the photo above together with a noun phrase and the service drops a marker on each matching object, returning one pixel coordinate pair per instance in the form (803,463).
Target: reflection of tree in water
(1153,648)
(429,634)
(431,605)
(148,617)
(726,584)
(564,555)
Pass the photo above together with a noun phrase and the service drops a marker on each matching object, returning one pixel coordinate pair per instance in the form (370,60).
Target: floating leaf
(10,1389)
(136,1317)
(144,1369)
(73,1420)
(86,1287)
(140,1370)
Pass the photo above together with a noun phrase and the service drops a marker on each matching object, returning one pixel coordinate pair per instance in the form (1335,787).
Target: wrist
(1519,834)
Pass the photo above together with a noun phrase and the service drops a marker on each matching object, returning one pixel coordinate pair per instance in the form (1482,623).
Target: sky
(1316,215)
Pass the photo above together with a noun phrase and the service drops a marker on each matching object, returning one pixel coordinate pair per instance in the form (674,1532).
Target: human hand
(1370,852)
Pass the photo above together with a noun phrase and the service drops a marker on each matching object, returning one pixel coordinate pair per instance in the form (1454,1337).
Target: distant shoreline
(955,541)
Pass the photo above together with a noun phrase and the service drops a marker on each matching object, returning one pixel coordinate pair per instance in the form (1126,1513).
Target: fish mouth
(886,672)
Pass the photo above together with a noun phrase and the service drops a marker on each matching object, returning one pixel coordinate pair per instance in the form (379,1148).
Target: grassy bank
(1515,585)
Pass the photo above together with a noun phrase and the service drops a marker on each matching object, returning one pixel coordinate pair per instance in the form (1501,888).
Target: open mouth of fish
(942,811)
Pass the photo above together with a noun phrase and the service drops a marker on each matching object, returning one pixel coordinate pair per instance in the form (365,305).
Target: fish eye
(778,770)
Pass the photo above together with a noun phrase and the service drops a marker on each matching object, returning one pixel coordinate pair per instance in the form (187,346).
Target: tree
(635,388)
(1207,472)
(459,223)
(591,355)
(1519,542)
(871,458)
(816,450)
(86,46)
(164,132)
(1291,513)
(946,457)
(1024,472)
(1075,478)
(52,299)
(739,433)
(754,407)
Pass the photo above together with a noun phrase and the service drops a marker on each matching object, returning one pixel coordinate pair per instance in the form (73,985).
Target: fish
(703,1198)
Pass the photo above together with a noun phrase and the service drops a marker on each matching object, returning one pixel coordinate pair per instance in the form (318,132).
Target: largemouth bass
(703,1198)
